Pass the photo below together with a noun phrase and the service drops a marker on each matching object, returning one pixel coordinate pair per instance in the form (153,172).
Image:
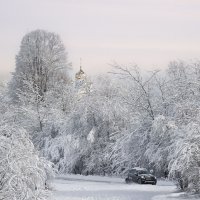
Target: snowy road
(74,187)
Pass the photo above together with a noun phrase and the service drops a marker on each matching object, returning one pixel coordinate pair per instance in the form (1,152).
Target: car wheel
(154,183)
(139,181)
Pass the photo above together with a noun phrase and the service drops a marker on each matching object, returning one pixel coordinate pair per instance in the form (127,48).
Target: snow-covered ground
(77,187)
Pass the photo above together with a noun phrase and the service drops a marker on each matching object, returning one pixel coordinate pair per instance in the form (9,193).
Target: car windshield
(143,172)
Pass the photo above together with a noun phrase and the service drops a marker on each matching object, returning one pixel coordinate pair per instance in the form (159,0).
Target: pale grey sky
(147,32)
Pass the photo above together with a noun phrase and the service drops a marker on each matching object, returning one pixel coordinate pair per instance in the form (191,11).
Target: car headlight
(142,177)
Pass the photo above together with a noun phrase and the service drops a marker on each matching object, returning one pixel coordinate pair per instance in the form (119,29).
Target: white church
(82,84)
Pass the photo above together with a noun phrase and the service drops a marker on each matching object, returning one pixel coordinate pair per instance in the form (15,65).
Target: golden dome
(80,74)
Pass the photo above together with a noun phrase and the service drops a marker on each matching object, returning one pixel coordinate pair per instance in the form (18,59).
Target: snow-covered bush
(185,162)
(23,175)
(161,138)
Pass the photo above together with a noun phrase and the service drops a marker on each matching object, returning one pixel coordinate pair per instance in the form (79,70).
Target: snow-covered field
(77,187)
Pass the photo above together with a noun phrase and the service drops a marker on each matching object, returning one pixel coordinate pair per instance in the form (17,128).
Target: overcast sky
(147,32)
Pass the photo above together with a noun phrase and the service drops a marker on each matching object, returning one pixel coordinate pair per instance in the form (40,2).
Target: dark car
(140,175)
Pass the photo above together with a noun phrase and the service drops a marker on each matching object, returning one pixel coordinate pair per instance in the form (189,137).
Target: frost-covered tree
(23,175)
(42,60)
(40,83)
(140,92)
(159,147)
(138,98)
(185,163)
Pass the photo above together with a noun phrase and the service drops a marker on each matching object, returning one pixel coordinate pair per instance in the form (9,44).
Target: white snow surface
(77,187)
